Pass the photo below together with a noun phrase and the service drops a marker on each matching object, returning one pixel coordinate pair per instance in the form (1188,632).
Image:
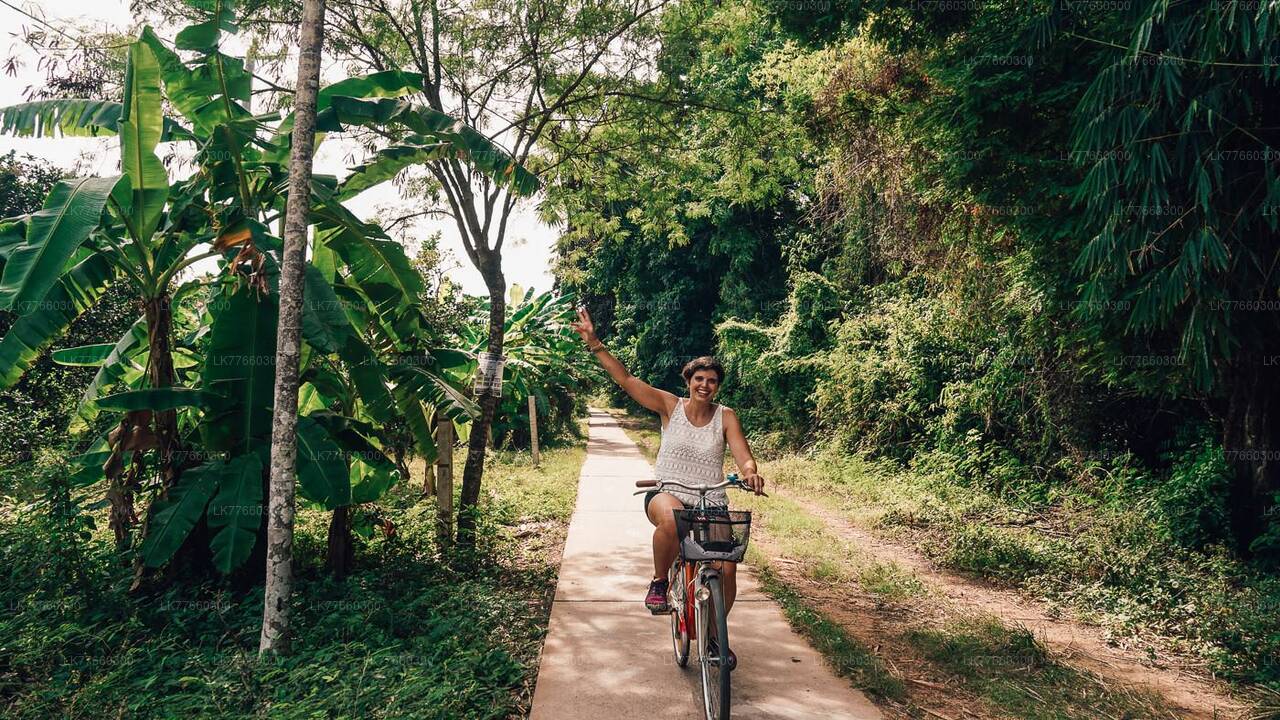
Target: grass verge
(848,657)
(409,634)
(1109,563)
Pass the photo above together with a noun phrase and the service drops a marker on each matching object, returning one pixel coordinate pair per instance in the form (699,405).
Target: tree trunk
(284,441)
(1251,439)
(193,555)
(533,430)
(341,551)
(444,481)
(160,374)
(472,473)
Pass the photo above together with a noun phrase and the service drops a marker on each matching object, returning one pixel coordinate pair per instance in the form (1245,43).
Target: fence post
(533,429)
(444,480)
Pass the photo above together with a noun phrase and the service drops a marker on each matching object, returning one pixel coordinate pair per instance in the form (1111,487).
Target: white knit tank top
(692,455)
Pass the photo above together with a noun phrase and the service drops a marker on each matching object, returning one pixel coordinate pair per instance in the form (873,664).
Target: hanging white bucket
(489,374)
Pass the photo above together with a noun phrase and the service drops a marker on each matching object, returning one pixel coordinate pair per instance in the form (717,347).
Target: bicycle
(707,536)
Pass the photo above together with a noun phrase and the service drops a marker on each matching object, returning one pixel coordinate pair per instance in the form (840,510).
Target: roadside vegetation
(991,276)
(884,626)
(412,632)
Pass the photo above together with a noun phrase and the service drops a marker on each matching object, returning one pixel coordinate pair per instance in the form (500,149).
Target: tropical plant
(544,359)
(568,65)
(142,231)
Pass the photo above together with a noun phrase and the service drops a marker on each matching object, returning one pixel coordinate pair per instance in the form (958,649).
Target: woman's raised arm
(659,401)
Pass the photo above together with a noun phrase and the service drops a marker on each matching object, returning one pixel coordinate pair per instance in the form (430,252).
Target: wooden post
(533,429)
(444,481)
(428,483)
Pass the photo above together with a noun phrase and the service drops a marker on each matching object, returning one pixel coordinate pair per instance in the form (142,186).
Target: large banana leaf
(72,209)
(112,368)
(370,482)
(375,263)
(236,511)
(12,233)
(435,389)
(240,367)
(343,232)
(323,472)
(83,355)
(74,117)
(387,162)
(206,35)
(466,142)
(140,126)
(369,375)
(72,294)
(165,398)
(176,514)
(418,417)
(371,471)
(209,92)
(324,324)
(385,84)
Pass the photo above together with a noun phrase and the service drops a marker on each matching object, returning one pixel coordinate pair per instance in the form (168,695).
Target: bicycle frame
(694,576)
(693,587)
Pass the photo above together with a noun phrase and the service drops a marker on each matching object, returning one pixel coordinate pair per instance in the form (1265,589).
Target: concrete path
(606,657)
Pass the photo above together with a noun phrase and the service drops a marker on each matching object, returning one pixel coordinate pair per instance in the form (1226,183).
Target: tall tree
(284,444)
(521,73)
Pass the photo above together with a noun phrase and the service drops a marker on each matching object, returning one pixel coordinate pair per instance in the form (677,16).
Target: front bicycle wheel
(713,625)
(679,606)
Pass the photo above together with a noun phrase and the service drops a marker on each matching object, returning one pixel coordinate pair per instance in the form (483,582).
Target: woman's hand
(755,482)
(584,327)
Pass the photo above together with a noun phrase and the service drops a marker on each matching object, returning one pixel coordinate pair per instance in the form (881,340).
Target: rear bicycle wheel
(679,606)
(713,623)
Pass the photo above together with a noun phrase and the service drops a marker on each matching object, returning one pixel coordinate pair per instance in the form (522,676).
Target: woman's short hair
(706,362)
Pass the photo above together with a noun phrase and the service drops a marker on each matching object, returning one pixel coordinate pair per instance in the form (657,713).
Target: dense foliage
(36,412)
(173,421)
(1021,248)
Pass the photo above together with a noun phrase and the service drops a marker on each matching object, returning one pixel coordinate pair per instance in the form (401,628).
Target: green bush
(1194,497)
(884,377)
(773,371)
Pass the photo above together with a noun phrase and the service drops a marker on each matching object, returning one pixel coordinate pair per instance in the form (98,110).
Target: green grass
(847,656)
(1008,668)
(823,556)
(1107,561)
(409,634)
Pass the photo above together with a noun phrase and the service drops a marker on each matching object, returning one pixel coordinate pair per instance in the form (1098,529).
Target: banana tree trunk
(284,441)
(160,374)
(474,470)
(341,548)
(192,557)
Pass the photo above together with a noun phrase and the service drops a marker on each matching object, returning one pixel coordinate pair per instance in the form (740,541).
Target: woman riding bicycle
(694,432)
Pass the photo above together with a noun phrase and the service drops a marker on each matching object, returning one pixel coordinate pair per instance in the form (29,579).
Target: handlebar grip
(646,483)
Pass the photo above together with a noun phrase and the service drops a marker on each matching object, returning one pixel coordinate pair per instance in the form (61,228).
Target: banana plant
(142,230)
(545,359)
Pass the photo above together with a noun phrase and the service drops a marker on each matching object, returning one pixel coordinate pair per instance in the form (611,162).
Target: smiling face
(704,384)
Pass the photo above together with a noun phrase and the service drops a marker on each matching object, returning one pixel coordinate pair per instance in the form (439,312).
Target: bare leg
(729,583)
(664,532)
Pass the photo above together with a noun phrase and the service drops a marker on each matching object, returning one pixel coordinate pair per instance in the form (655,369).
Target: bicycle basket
(713,534)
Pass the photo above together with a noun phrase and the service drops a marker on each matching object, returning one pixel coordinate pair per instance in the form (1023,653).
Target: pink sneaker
(656,600)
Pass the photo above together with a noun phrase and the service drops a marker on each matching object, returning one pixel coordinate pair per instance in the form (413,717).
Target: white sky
(526,253)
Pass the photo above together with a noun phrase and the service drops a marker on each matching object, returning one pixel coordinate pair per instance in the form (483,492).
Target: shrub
(1194,497)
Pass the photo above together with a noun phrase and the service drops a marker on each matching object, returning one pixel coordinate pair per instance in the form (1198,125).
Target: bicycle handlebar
(730,480)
